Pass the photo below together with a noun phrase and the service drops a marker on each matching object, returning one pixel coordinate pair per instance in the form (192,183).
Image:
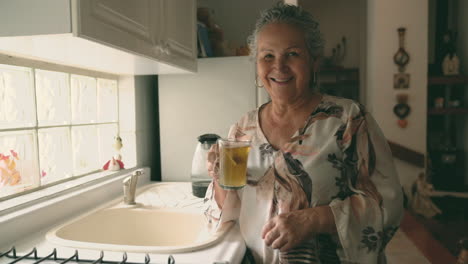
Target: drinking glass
(233,155)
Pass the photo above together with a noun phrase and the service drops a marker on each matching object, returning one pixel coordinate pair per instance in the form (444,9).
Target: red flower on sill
(14,153)
(113,164)
(3,157)
(9,175)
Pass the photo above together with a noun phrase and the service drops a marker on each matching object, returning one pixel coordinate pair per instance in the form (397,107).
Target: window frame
(69,183)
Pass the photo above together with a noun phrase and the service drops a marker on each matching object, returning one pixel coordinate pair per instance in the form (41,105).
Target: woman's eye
(268,56)
(293,54)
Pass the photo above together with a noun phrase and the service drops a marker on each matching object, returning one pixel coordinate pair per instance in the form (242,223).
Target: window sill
(48,193)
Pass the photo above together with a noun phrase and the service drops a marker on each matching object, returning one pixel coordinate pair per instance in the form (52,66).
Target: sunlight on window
(83,99)
(56,125)
(106,135)
(53,98)
(84,144)
(55,154)
(17,107)
(108,110)
(129,149)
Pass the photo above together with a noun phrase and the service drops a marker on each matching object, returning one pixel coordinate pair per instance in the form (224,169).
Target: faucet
(129,187)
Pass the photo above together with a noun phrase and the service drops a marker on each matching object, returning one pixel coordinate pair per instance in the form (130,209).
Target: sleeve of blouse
(231,207)
(368,218)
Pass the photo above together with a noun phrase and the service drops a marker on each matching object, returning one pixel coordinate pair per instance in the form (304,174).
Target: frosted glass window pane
(53,98)
(17,107)
(107,100)
(18,162)
(55,155)
(83,99)
(107,134)
(129,149)
(84,148)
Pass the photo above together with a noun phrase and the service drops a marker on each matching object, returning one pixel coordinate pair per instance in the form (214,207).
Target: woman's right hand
(212,164)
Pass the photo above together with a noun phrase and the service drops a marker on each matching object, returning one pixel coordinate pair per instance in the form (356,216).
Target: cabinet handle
(162,48)
(166,47)
(157,49)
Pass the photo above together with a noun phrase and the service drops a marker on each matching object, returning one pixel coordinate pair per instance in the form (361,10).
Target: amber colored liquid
(233,165)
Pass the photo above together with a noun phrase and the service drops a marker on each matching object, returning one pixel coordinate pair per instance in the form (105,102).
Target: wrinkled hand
(212,162)
(288,230)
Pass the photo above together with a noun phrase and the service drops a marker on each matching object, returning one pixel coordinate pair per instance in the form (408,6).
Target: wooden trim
(406,154)
(340,82)
(338,69)
(432,249)
(447,111)
(447,80)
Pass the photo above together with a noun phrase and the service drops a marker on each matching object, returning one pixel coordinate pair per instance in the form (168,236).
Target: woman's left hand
(288,230)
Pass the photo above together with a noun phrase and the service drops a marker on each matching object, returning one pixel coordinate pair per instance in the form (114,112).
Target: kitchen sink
(139,229)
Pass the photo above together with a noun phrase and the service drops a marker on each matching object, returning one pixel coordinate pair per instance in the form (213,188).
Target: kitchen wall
(431,33)
(383,19)
(209,101)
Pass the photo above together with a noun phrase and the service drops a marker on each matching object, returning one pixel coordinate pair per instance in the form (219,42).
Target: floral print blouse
(340,158)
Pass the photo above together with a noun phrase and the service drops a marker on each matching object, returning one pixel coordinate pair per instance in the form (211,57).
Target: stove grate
(32,255)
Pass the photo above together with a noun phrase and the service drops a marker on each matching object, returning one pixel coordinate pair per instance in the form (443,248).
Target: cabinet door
(122,24)
(178,33)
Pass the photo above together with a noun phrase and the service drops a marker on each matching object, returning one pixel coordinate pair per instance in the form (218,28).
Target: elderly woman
(321,184)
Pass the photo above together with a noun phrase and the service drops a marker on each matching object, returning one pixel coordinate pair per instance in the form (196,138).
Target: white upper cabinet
(129,25)
(178,35)
(117,36)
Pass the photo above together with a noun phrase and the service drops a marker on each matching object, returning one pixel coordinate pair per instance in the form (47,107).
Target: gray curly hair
(293,15)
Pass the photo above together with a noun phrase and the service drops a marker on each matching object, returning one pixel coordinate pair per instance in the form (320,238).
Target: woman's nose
(280,64)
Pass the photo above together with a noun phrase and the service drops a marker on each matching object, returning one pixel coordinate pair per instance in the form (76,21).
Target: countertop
(164,194)
(167,194)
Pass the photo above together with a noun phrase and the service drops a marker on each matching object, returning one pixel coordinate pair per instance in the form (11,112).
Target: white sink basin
(139,229)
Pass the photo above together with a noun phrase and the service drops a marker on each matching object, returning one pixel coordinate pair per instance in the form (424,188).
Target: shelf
(447,111)
(338,70)
(339,76)
(340,82)
(447,80)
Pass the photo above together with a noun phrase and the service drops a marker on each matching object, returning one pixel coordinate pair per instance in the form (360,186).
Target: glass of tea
(233,155)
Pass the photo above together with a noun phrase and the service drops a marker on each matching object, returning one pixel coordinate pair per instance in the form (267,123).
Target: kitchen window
(55,125)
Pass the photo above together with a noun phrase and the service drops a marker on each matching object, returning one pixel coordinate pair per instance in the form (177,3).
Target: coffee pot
(199,173)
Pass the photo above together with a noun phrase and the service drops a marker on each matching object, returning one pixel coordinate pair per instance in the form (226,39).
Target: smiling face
(283,62)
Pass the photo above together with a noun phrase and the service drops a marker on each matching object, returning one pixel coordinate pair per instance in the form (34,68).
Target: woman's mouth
(281,80)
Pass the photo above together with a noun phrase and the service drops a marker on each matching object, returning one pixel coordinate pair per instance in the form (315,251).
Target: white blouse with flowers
(339,158)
